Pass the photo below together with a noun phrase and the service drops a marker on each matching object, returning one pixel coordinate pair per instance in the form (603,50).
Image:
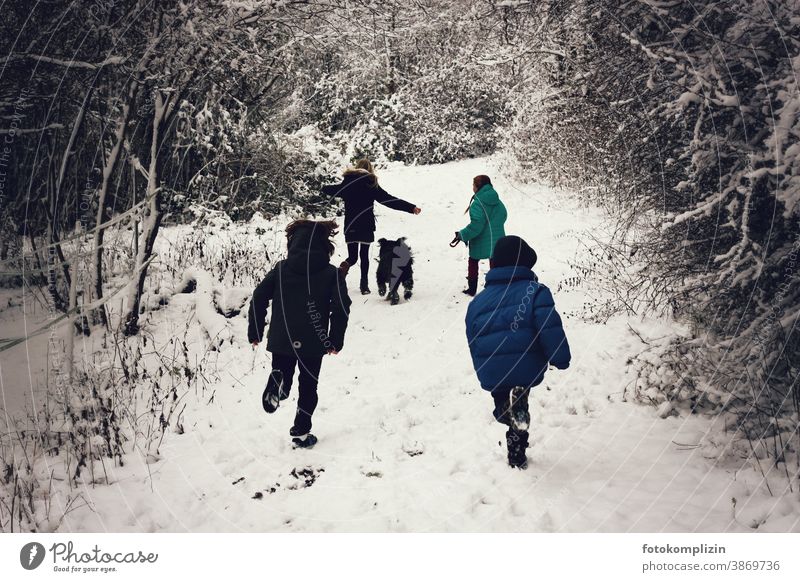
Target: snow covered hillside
(407,439)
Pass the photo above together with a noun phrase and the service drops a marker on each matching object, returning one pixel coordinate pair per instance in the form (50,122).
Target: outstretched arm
(259,304)
(551,337)
(340,312)
(477,222)
(332,189)
(390,201)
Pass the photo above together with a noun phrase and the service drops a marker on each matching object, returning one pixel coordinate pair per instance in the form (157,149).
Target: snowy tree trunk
(151,223)
(74,318)
(135,223)
(99,314)
(55,197)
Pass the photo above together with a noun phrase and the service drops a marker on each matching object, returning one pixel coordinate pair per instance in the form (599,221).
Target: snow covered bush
(682,120)
(450,113)
(121,404)
(414,90)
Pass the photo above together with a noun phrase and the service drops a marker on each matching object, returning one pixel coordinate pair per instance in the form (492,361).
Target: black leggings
(307,385)
(353,254)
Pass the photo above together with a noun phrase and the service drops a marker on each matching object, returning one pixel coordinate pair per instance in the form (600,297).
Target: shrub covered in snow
(682,120)
(416,91)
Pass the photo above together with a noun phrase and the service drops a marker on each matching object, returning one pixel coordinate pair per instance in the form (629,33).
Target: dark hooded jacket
(360,191)
(310,304)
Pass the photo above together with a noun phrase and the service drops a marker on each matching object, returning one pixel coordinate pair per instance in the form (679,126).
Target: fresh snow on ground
(407,439)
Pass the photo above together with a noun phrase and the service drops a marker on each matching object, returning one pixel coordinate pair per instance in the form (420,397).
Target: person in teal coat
(487,218)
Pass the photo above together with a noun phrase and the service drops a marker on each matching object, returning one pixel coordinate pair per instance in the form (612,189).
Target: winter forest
(153,153)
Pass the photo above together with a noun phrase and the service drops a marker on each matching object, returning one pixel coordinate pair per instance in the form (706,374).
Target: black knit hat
(512,251)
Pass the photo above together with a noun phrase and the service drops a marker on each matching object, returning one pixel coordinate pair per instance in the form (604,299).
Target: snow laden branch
(684,125)
(61,62)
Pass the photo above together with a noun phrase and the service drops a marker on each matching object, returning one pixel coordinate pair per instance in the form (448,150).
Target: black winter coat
(310,304)
(360,191)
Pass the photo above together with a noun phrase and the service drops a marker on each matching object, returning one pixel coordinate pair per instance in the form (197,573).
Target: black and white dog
(395,268)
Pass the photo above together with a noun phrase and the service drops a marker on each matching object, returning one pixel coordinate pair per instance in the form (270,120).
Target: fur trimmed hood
(359,174)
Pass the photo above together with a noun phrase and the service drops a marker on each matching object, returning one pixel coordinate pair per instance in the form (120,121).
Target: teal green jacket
(487,217)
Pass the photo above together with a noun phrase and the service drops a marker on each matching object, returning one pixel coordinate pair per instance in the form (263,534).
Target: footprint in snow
(371,470)
(413,449)
(302,478)
(305,477)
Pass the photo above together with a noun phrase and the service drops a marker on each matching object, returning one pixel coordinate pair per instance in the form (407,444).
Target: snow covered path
(407,440)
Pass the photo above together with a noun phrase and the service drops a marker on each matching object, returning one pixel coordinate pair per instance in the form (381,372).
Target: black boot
(517,442)
(519,414)
(273,393)
(365,287)
(302,440)
(472,287)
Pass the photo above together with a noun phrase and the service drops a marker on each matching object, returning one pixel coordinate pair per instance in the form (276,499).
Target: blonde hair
(365,164)
(360,167)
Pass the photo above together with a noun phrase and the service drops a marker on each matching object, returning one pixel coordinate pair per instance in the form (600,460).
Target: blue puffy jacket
(514,330)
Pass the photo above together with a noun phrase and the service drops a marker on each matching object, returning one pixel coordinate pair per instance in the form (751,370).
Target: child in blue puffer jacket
(514,333)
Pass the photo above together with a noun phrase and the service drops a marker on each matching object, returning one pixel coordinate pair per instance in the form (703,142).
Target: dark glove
(456,240)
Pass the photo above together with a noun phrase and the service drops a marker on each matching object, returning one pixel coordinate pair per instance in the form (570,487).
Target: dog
(395,268)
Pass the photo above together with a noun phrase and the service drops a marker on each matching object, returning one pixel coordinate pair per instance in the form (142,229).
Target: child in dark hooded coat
(360,191)
(310,311)
(514,333)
